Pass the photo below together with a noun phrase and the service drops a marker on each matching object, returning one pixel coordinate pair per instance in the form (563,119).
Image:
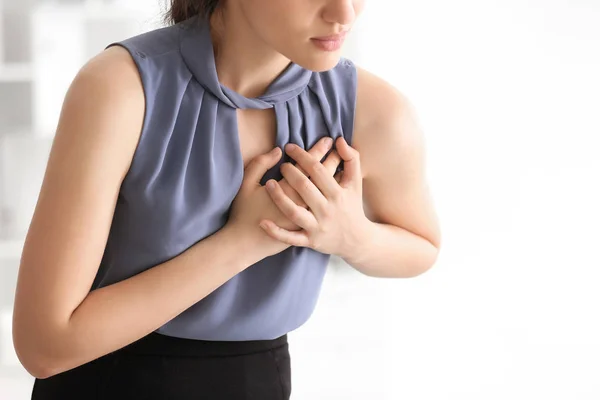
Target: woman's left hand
(335,220)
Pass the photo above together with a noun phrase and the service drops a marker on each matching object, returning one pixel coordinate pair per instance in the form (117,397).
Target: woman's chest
(183,182)
(257,132)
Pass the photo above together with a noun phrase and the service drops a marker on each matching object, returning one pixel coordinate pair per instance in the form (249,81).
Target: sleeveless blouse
(187,169)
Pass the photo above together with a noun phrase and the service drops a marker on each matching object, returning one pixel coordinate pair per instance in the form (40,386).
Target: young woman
(201,176)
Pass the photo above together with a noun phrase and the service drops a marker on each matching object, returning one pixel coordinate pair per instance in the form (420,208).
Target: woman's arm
(380,217)
(58,324)
(403,236)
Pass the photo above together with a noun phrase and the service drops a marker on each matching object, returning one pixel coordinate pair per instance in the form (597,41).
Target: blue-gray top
(188,168)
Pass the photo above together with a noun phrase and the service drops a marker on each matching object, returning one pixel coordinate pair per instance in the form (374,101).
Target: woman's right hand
(253,203)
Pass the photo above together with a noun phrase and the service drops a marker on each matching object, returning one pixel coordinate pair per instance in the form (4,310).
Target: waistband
(163,345)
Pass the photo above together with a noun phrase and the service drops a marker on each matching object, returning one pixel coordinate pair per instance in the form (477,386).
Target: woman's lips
(331,42)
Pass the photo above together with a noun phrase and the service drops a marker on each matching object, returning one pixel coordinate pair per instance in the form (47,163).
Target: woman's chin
(320,62)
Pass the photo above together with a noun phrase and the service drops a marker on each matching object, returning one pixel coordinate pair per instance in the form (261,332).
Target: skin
(380,218)
(395,233)
(378,215)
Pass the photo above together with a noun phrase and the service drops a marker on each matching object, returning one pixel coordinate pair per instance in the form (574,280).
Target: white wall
(508,94)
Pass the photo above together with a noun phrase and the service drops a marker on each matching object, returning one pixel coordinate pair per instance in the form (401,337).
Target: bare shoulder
(113,67)
(110,79)
(103,107)
(392,151)
(106,63)
(375,95)
(384,115)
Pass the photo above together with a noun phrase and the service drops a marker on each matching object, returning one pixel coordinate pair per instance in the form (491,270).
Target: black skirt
(159,367)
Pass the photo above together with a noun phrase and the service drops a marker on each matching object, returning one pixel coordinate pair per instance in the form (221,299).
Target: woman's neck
(243,61)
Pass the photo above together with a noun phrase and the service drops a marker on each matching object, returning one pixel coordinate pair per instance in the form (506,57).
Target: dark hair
(180,10)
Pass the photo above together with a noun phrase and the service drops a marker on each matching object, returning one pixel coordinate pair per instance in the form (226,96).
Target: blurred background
(508,94)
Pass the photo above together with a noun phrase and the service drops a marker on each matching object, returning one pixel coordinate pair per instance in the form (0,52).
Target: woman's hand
(253,203)
(318,151)
(335,219)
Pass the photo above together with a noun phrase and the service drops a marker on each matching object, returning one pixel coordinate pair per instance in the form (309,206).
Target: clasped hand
(333,219)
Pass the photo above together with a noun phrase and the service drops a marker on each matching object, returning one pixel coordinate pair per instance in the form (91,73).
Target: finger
(305,188)
(292,194)
(259,166)
(295,238)
(332,162)
(298,215)
(352,171)
(319,150)
(338,176)
(317,172)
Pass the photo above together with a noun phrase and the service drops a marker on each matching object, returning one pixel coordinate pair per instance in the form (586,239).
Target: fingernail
(270,185)
(290,147)
(328,141)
